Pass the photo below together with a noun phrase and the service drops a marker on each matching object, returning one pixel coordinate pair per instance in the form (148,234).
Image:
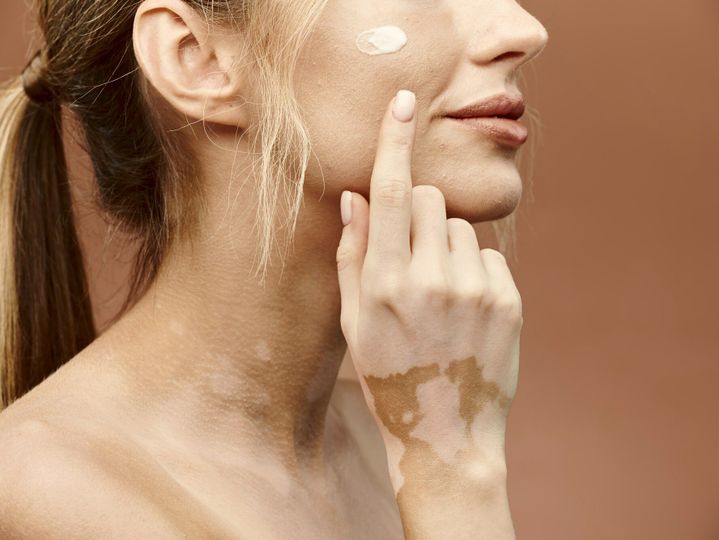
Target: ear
(192,67)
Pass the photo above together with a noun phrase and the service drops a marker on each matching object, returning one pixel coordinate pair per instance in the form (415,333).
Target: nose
(509,33)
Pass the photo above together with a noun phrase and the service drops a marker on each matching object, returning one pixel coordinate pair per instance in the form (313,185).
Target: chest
(259,502)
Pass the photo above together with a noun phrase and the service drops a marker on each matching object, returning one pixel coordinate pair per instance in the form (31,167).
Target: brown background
(615,430)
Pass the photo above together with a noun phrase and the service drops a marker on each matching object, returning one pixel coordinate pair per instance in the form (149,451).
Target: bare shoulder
(53,485)
(70,469)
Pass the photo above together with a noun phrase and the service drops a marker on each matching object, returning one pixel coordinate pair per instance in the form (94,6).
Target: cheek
(345,80)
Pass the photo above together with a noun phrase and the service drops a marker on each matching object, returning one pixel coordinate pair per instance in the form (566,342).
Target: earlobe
(188,64)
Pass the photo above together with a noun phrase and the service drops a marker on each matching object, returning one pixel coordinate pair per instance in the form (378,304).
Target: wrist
(420,463)
(434,495)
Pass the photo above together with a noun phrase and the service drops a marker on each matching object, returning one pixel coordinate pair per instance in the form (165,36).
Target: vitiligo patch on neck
(381,40)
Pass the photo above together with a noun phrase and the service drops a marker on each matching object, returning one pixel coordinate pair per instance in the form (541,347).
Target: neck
(237,362)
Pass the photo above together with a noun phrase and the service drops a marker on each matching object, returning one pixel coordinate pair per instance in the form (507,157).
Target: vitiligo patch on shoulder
(381,40)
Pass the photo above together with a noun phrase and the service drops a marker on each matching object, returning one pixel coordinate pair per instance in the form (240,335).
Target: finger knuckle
(471,294)
(428,191)
(344,256)
(508,304)
(387,290)
(393,193)
(399,141)
(434,290)
(460,225)
(493,254)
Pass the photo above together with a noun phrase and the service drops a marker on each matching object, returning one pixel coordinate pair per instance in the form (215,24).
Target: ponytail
(45,311)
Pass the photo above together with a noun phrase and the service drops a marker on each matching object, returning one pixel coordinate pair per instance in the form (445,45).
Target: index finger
(390,209)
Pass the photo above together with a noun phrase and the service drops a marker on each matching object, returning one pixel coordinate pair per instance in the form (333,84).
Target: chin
(498,210)
(483,198)
(483,210)
(479,184)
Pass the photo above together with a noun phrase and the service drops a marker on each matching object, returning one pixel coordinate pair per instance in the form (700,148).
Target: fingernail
(404,105)
(346,207)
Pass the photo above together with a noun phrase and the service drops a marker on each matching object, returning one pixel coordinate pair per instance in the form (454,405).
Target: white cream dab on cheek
(381,40)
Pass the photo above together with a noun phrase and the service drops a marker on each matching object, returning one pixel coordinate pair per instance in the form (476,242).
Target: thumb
(351,253)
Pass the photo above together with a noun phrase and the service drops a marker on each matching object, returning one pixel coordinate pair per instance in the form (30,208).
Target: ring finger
(469,275)
(428,235)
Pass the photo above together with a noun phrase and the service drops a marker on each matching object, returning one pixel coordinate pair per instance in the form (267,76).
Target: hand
(432,321)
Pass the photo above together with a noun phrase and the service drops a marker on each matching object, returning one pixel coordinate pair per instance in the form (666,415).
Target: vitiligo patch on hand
(381,40)
(398,407)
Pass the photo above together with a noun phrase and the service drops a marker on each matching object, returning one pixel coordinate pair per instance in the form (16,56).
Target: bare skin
(82,441)
(212,408)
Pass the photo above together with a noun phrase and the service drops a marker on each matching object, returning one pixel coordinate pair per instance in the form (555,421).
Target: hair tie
(33,79)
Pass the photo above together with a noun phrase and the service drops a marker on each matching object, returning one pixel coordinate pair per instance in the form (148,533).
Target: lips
(500,106)
(496,118)
(503,130)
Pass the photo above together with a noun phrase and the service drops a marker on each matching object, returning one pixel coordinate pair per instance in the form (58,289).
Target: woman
(211,408)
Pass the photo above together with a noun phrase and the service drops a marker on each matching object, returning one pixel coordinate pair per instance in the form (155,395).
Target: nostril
(509,54)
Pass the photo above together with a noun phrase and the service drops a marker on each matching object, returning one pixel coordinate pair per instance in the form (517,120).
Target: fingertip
(346,207)
(404,105)
(360,217)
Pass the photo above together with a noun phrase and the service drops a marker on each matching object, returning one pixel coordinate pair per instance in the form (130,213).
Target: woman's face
(457,52)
